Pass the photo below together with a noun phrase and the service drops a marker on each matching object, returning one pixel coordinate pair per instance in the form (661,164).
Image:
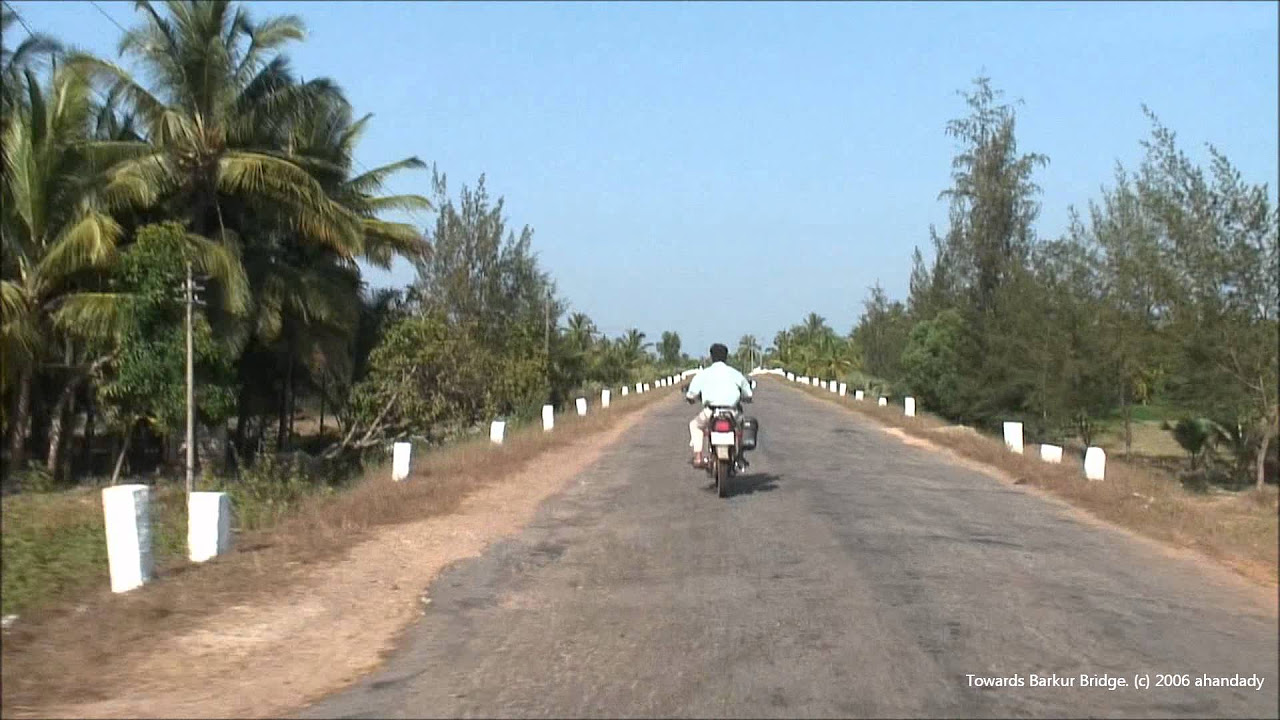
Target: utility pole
(546,338)
(191,415)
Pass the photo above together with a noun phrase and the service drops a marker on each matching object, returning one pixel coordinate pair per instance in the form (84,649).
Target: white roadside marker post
(400,461)
(127,517)
(1013,436)
(208,525)
(1095,463)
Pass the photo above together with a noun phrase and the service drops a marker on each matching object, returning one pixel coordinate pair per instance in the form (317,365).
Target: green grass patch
(1157,413)
(54,543)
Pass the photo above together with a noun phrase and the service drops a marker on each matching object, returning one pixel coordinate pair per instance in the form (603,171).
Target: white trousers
(697,426)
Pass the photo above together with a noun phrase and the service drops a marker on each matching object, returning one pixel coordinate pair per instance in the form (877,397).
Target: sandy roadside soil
(269,660)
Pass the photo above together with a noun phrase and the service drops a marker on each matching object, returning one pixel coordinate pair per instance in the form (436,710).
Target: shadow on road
(752,483)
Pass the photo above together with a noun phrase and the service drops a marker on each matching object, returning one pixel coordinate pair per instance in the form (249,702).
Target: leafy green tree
(931,364)
(1196,436)
(485,279)
(147,382)
(478,272)
(881,334)
(1219,242)
(982,261)
(428,377)
(669,349)
(1069,386)
(813,329)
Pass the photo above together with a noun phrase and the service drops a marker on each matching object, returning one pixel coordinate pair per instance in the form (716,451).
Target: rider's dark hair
(719,353)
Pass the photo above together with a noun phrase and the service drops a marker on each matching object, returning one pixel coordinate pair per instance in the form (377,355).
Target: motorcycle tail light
(722,425)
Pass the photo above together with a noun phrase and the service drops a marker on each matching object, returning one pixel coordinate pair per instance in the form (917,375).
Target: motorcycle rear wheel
(722,477)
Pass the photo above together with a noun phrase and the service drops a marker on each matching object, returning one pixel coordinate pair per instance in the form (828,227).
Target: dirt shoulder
(333,622)
(1237,531)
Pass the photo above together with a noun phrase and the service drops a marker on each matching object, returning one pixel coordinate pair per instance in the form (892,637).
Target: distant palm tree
(815,326)
(581,331)
(782,346)
(748,348)
(834,357)
(634,349)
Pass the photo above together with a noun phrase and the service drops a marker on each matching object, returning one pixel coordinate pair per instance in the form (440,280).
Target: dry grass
(1238,529)
(62,651)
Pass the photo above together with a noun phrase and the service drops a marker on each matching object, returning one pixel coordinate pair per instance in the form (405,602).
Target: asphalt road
(848,575)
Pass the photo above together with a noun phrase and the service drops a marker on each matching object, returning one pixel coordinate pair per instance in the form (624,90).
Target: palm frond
(314,214)
(19,336)
(137,182)
(220,261)
(411,203)
(372,181)
(27,51)
(101,155)
(90,315)
(156,116)
(383,241)
(88,243)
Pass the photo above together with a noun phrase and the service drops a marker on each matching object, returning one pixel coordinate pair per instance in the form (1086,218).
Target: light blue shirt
(719,385)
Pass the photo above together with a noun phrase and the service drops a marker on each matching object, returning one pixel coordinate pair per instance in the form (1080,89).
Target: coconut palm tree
(834,358)
(308,295)
(217,126)
(782,341)
(59,238)
(633,349)
(748,349)
(16,61)
(814,327)
(581,331)
(245,153)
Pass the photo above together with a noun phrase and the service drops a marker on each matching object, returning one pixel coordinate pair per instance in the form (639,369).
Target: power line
(21,21)
(31,34)
(104,14)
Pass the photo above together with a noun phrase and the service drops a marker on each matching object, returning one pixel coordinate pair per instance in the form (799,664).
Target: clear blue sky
(726,168)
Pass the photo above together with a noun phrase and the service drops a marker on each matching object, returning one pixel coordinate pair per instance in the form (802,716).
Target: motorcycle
(728,436)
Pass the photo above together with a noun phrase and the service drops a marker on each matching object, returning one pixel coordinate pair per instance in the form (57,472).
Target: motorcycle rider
(720,385)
